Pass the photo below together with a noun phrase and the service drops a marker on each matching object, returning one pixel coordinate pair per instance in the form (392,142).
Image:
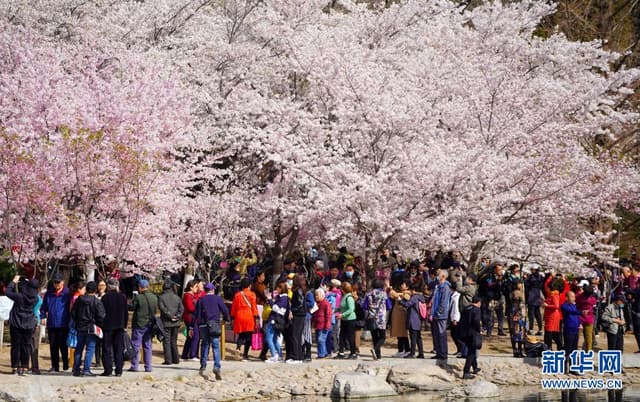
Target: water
(517,394)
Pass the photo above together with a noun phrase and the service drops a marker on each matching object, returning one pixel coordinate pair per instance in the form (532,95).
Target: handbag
(72,337)
(157,326)
(96,330)
(256,340)
(215,328)
(128,349)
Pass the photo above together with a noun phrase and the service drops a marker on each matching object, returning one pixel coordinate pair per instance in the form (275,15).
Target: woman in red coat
(244,313)
(552,313)
(189,300)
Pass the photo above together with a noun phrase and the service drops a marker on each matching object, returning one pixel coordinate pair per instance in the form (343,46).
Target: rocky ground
(255,380)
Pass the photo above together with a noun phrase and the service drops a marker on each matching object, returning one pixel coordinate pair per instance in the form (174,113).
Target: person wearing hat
(55,313)
(613,323)
(24,294)
(113,326)
(171,310)
(144,306)
(87,312)
(210,308)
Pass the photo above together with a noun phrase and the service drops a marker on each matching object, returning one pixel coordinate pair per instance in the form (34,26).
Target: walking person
(87,312)
(470,329)
(24,294)
(244,313)
(171,310)
(113,327)
(376,306)
(145,306)
(210,311)
(54,313)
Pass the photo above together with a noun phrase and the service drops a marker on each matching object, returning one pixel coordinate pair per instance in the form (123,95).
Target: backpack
(422,310)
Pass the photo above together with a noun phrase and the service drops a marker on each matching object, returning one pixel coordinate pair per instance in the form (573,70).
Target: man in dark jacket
(490,289)
(115,322)
(87,312)
(55,311)
(470,334)
(210,309)
(171,310)
(533,288)
(22,321)
(144,307)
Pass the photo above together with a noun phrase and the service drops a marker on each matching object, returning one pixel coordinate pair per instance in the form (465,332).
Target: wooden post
(1,334)
(223,352)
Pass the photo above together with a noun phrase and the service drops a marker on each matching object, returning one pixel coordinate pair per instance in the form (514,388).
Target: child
(518,324)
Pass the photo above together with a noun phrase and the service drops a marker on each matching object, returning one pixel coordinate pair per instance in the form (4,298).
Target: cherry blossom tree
(418,124)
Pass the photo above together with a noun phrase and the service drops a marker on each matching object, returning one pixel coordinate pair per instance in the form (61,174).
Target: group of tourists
(326,303)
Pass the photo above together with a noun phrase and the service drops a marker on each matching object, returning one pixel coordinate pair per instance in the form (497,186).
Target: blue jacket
(55,308)
(570,318)
(414,321)
(441,301)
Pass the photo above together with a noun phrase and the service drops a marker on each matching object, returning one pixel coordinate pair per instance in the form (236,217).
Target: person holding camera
(24,294)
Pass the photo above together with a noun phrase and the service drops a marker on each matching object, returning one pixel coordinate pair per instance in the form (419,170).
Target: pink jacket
(586,304)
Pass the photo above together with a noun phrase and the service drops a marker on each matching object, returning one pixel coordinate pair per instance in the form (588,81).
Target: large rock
(348,384)
(421,377)
(481,389)
(629,361)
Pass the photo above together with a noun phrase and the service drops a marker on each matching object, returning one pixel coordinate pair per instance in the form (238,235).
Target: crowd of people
(327,303)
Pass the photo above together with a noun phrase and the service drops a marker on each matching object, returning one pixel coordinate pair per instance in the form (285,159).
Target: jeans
(207,341)
(58,347)
(329,341)
(88,340)
(141,337)
(272,336)
(113,344)
(321,339)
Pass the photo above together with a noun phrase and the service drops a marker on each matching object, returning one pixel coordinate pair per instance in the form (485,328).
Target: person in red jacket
(244,313)
(321,321)
(189,300)
(552,313)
